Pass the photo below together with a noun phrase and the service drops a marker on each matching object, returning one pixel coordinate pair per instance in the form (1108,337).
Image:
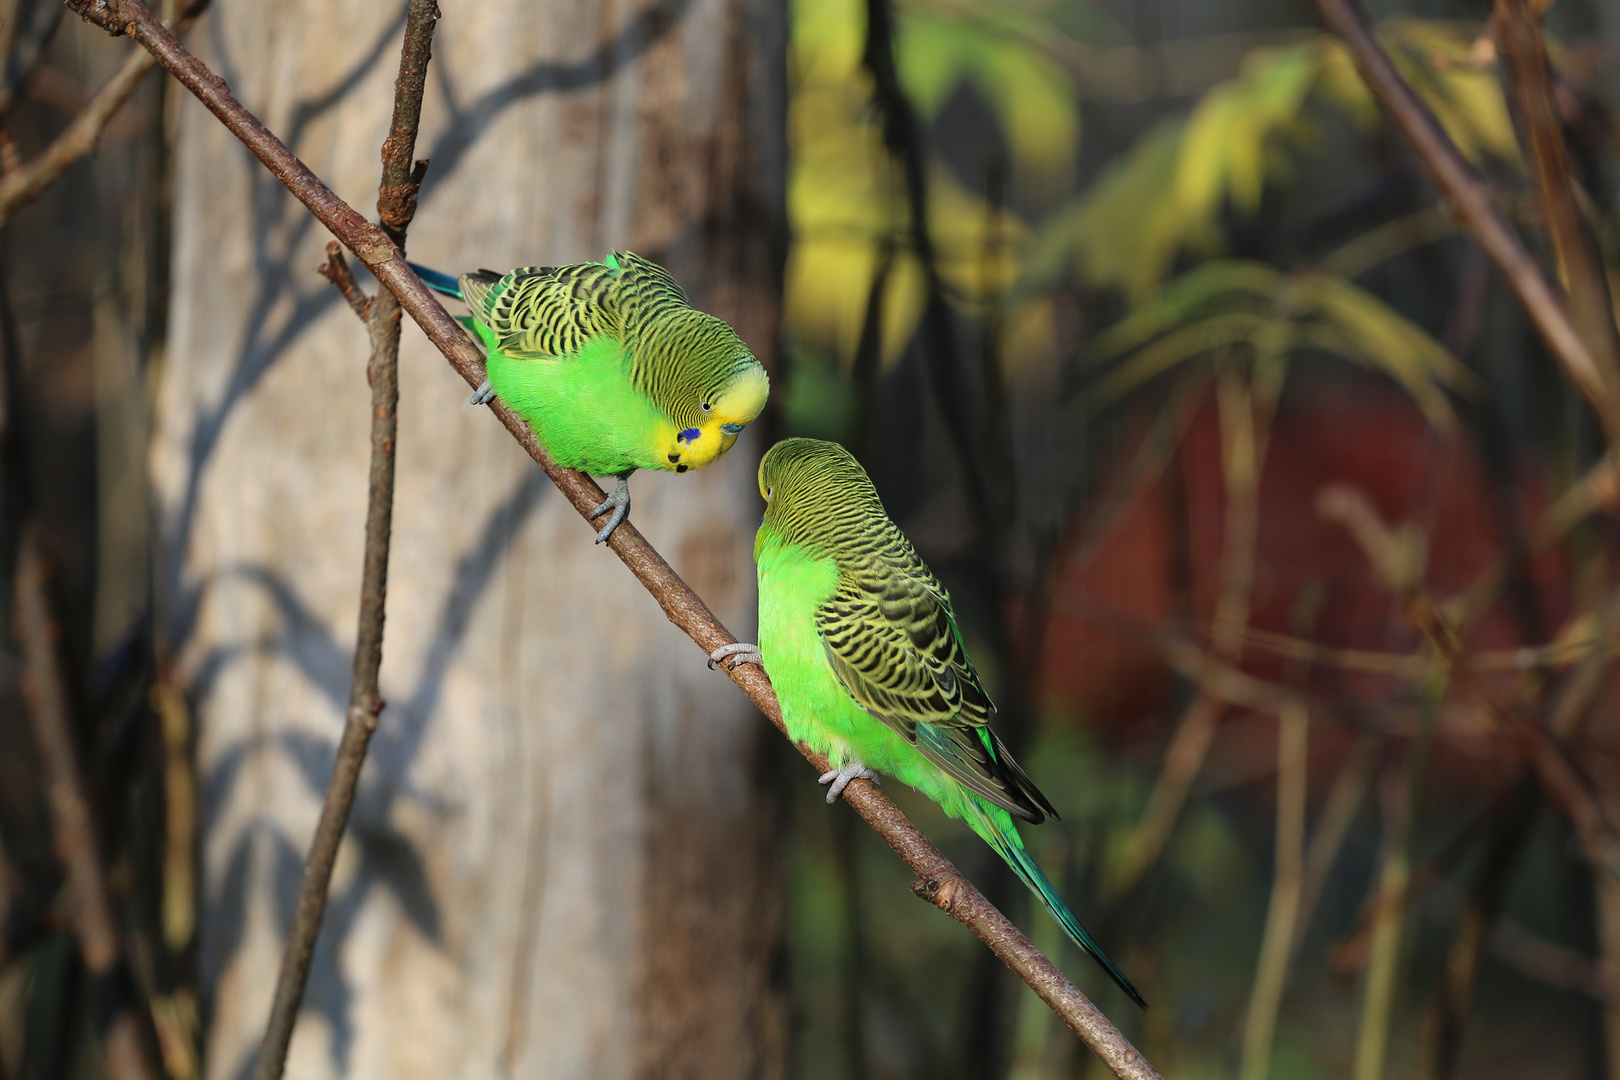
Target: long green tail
(437,280)
(1001,834)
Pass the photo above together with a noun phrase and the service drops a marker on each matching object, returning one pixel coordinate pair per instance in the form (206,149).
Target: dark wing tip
(1019,786)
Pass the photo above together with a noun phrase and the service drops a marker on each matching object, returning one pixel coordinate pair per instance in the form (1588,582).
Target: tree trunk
(560,859)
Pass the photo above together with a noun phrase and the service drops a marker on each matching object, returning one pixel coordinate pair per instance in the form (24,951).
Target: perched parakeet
(611,366)
(860,642)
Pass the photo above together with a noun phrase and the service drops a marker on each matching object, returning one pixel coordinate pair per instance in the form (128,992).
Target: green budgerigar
(862,646)
(611,366)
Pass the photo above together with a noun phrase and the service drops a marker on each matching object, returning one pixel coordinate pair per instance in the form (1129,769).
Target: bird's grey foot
(840,778)
(736,653)
(483,395)
(619,503)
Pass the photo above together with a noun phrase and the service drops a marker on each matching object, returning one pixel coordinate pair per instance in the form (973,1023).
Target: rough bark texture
(558,864)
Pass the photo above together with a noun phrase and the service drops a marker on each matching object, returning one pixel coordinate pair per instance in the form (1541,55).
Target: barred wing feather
(538,311)
(892,641)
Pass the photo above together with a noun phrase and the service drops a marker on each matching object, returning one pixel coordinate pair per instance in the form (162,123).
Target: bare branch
(1245,411)
(396,205)
(939,883)
(124,1045)
(1524,52)
(1288,880)
(336,270)
(1472,202)
(1569,789)
(1398,791)
(396,198)
(25,183)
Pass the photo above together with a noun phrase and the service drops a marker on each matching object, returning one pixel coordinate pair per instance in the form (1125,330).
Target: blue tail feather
(437,280)
(1012,851)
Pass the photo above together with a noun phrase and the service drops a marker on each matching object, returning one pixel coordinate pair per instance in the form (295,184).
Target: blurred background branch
(121,1029)
(22,182)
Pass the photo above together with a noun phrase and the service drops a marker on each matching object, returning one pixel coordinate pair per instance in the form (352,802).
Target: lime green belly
(582,408)
(816,708)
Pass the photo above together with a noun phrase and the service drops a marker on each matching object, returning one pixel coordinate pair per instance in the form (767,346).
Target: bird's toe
(840,778)
(734,654)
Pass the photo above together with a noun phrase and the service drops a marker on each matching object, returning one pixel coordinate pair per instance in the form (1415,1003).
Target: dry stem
(1471,200)
(25,183)
(124,1044)
(1524,54)
(1245,411)
(1397,790)
(1277,946)
(1572,792)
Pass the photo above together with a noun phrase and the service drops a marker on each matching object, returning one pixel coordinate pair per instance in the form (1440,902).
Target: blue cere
(731,429)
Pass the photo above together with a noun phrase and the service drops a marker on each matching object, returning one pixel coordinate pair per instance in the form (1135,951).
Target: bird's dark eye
(731,429)
(705,406)
(768,491)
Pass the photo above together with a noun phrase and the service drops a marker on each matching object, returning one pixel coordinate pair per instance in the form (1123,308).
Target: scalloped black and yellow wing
(537,311)
(891,639)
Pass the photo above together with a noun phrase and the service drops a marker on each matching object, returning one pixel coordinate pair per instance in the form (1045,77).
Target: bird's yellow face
(722,420)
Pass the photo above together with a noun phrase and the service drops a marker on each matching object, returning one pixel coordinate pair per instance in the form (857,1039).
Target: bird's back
(548,311)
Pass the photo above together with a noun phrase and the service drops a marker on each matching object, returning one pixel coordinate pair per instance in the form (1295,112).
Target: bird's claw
(736,653)
(840,778)
(483,395)
(619,503)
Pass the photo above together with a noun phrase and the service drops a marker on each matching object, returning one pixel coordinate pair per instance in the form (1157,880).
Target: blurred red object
(1156,567)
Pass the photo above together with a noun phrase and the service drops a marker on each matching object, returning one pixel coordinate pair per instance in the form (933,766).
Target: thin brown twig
(1453,996)
(1572,792)
(396,205)
(1245,409)
(25,183)
(1398,791)
(1596,490)
(1282,918)
(1338,814)
(1508,813)
(938,881)
(1558,653)
(1472,202)
(336,270)
(1574,702)
(1351,951)
(1524,54)
(124,1043)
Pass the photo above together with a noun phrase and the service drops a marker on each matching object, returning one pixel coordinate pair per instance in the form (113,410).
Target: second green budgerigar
(862,647)
(611,366)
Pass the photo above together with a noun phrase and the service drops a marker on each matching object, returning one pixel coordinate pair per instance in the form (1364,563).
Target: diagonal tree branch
(1472,202)
(938,881)
(27,182)
(396,205)
(1524,53)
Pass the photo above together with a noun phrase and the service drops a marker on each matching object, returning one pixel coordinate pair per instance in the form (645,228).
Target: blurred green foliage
(1103,241)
